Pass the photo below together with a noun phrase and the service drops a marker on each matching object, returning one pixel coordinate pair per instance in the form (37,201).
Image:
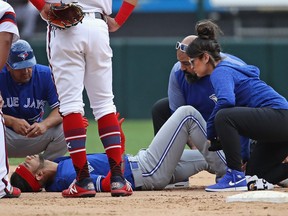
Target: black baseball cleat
(120,187)
(85,188)
(14,193)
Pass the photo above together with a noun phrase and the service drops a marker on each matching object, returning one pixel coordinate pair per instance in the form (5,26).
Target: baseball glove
(63,16)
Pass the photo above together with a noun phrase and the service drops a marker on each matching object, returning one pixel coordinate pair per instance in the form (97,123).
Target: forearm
(9,120)
(5,44)
(53,119)
(133,2)
(39,4)
(125,11)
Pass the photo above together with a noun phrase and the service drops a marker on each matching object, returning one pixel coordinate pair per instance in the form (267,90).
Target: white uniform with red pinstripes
(81,56)
(7,24)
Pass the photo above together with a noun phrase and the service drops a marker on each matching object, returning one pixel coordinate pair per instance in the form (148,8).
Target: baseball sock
(75,134)
(109,133)
(105,183)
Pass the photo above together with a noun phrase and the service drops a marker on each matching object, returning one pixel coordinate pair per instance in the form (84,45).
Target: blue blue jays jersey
(199,94)
(98,166)
(28,100)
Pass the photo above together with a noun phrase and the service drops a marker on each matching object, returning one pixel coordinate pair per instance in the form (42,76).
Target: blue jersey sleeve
(223,84)
(51,94)
(175,95)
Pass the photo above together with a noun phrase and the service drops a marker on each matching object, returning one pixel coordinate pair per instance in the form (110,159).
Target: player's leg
(52,143)
(57,146)
(98,83)
(190,163)
(159,160)
(160,113)
(256,123)
(266,161)
(6,190)
(68,67)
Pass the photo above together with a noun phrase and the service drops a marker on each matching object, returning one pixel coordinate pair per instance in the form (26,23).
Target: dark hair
(17,181)
(207,32)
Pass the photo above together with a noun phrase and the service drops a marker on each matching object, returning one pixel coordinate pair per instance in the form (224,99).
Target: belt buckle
(98,15)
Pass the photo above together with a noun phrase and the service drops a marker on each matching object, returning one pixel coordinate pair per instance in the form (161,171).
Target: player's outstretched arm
(123,14)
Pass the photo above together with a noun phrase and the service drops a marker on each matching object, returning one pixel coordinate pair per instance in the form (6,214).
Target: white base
(259,196)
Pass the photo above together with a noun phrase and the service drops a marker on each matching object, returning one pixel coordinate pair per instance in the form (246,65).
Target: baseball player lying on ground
(164,162)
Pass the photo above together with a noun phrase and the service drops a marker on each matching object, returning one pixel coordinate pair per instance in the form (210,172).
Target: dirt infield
(193,201)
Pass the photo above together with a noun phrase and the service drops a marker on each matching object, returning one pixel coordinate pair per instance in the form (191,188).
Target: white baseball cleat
(255,183)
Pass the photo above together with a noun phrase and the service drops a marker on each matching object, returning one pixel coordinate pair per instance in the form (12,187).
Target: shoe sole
(11,196)
(82,195)
(244,188)
(118,193)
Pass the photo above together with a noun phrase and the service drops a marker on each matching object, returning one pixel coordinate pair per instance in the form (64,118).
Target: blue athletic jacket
(240,85)
(200,95)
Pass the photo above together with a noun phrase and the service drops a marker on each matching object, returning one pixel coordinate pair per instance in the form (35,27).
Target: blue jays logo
(213,98)
(23,55)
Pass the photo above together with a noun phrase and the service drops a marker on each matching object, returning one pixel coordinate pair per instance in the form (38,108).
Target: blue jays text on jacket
(28,100)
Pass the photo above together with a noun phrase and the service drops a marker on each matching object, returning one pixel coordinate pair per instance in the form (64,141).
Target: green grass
(138,133)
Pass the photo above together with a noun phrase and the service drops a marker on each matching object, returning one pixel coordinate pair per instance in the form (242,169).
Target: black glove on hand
(215,145)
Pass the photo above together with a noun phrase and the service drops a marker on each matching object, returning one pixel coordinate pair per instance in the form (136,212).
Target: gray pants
(165,160)
(52,144)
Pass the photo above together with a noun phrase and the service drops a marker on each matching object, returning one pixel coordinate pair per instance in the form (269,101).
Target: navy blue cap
(21,55)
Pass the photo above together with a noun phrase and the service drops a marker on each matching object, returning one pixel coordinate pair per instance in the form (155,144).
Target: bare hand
(112,24)
(20,126)
(45,11)
(36,129)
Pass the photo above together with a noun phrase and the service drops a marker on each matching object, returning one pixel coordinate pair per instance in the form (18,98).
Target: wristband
(124,12)
(39,4)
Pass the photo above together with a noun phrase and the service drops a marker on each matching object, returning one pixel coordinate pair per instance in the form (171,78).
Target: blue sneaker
(233,181)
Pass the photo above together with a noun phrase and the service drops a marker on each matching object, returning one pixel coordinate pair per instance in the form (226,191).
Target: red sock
(75,134)
(105,183)
(109,133)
